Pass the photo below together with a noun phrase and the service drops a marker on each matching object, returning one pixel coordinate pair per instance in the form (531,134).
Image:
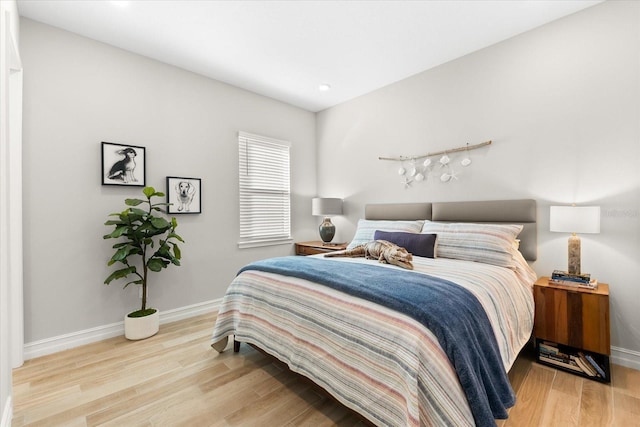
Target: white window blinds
(265,217)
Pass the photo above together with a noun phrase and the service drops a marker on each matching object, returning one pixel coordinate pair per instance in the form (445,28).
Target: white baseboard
(87,336)
(624,357)
(188,311)
(7,413)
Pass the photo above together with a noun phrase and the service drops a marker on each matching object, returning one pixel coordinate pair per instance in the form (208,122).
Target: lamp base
(327,230)
(574,254)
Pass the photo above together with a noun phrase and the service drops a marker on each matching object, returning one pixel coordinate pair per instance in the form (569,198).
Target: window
(265,217)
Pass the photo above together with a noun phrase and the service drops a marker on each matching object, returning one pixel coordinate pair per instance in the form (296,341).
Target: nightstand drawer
(313,248)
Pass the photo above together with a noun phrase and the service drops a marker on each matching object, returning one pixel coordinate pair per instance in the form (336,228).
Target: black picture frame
(117,162)
(184,195)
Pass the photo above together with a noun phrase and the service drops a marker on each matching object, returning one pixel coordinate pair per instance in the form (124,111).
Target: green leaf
(160,223)
(134,202)
(157,264)
(135,251)
(133,282)
(119,274)
(121,254)
(124,216)
(164,254)
(148,191)
(113,221)
(175,236)
(119,231)
(137,212)
(176,252)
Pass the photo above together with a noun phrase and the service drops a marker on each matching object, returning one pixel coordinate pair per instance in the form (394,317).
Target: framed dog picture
(184,195)
(123,164)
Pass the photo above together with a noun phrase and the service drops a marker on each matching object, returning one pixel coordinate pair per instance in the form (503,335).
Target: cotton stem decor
(412,171)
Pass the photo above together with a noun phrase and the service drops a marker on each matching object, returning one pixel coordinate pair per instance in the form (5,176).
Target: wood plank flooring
(175,379)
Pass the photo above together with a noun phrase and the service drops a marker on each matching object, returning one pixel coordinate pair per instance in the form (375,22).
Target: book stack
(579,362)
(580,280)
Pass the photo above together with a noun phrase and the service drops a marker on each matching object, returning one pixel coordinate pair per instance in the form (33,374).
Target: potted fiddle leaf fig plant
(146,242)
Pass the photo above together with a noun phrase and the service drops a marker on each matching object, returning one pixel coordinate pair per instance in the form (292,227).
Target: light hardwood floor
(175,378)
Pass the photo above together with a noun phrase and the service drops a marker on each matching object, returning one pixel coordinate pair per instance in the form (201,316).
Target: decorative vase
(139,328)
(327,230)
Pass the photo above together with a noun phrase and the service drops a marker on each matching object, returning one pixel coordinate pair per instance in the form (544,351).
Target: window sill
(260,243)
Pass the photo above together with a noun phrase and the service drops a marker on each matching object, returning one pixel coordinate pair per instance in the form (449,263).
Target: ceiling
(286,49)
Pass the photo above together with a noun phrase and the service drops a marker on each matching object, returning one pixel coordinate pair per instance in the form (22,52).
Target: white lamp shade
(574,219)
(326,206)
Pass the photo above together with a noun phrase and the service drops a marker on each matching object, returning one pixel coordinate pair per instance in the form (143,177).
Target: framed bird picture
(123,164)
(184,195)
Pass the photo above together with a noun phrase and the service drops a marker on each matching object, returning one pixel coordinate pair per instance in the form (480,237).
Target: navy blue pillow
(417,244)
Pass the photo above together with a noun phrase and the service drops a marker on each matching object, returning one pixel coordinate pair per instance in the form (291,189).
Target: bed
(427,346)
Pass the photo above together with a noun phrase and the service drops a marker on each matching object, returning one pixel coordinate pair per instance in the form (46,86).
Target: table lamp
(326,207)
(574,219)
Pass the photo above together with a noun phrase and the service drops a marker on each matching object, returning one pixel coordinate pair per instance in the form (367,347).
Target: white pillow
(487,243)
(367,228)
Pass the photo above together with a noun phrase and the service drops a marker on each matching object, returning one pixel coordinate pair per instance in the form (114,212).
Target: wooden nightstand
(575,321)
(318,247)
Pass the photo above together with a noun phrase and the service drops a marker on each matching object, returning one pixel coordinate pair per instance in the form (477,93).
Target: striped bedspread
(383,364)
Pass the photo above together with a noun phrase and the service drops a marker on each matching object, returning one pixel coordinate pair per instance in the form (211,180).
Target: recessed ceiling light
(324,87)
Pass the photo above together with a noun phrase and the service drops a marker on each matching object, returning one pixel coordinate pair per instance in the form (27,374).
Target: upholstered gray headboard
(522,211)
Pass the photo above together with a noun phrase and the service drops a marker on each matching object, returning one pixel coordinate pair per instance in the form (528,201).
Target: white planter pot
(139,328)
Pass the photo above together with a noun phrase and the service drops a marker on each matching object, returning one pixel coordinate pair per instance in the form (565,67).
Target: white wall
(562,106)
(77,93)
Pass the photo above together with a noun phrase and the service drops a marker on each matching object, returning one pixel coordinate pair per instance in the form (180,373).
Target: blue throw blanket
(452,313)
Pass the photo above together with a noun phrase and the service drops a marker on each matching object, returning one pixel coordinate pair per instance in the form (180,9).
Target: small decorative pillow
(417,244)
(367,228)
(486,243)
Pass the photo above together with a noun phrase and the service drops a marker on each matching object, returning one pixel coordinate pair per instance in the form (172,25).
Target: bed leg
(236,345)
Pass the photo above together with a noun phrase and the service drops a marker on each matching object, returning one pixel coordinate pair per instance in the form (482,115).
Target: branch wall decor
(410,171)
